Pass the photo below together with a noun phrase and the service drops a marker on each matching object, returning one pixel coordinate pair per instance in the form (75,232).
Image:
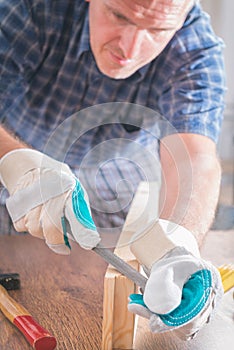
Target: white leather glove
(44,193)
(182,291)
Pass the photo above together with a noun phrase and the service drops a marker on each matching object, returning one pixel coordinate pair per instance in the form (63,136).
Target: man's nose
(131,41)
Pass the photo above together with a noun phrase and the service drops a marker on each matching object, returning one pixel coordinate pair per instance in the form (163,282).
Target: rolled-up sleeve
(193,97)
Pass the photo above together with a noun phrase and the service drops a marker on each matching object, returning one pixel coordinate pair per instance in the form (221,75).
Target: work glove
(182,290)
(44,196)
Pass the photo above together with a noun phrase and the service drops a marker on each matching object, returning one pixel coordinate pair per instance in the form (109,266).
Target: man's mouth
(121,61)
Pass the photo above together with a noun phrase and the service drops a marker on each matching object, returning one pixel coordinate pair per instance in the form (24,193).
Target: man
(58,58)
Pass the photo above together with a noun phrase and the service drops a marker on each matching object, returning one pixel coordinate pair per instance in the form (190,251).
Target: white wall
(221,12)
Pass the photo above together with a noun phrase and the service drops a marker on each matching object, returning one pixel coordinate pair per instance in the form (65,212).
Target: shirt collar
(84,38)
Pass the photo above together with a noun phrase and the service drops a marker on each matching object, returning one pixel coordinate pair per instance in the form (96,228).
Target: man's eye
(119,17)
(156,32)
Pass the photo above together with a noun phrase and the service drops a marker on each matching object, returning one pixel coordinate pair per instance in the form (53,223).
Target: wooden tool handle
(36,335)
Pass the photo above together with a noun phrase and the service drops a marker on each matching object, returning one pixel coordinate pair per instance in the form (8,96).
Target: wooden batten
(118,322)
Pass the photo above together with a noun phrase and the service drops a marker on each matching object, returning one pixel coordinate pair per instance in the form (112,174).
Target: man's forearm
(190,191)
(8,142)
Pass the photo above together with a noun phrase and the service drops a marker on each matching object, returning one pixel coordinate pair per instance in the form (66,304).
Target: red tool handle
(36,335)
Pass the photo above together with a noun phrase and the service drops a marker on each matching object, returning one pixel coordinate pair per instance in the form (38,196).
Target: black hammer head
(10,281)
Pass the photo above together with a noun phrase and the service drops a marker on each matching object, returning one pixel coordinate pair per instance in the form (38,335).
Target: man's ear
(87,0)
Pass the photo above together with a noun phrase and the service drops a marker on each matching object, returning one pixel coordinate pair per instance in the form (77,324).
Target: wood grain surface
(63,293)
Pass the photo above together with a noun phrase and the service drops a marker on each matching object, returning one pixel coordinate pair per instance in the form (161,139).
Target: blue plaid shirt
(48,74)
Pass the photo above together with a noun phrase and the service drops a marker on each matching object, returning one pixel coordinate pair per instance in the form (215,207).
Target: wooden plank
(118,323)
(108,312)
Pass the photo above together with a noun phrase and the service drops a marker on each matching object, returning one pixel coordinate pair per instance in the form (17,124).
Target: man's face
(127,34)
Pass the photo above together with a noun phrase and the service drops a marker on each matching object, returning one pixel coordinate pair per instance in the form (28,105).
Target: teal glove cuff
(195,294)
(77,222)
(81,209)
(81,212)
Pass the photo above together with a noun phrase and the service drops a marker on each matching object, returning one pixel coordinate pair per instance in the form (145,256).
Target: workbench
(65,295)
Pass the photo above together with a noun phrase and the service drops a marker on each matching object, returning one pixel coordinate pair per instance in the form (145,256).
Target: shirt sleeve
(193,95)
(19,50)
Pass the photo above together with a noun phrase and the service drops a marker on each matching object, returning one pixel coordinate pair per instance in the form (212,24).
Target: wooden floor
(65,295)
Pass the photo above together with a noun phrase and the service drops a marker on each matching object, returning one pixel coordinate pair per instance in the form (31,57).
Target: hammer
(37,336)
